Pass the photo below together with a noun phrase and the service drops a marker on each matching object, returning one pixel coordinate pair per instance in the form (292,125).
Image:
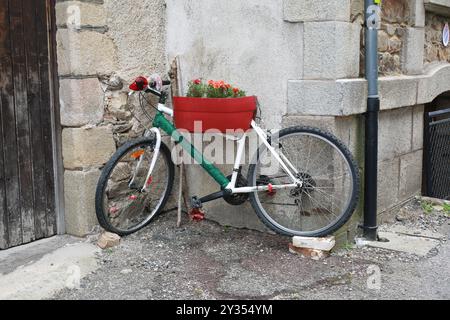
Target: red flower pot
(213,113)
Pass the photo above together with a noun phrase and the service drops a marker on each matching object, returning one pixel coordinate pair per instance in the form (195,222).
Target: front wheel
(122,204)
(330,190)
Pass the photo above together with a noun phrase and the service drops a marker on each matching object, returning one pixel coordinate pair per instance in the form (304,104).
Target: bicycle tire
(108,169)
(354,198)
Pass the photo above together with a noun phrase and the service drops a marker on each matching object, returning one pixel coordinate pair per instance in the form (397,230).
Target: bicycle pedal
(197,214)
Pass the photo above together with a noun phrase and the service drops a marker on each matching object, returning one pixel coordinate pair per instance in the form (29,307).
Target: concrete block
(316,10)
(395,127)
(388,184)
(85,53)
(81,102)
(410,175)
(418,127)
(87,147)
(79,194)
(80,14)
(413,51)
(331,50)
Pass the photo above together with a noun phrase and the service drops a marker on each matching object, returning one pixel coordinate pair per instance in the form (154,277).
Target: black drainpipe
(372,16)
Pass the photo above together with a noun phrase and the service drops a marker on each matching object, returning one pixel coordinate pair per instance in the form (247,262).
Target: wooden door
(27,189)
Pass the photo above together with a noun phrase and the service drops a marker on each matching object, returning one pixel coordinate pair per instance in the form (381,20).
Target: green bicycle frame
(162,123)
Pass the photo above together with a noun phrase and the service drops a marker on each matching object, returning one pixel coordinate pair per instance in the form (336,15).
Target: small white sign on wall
(446,35)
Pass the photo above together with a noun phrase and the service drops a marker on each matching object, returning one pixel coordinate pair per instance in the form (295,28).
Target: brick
(324,244)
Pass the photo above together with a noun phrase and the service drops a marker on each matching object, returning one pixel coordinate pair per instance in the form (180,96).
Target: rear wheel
(330,189)
(121,204)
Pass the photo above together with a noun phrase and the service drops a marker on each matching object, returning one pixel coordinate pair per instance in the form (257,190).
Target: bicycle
(313,193)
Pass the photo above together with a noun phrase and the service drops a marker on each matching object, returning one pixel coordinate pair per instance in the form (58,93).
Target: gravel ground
(208,261)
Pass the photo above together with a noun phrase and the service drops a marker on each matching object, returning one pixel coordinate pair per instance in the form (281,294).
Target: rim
(164,168)
(347,203)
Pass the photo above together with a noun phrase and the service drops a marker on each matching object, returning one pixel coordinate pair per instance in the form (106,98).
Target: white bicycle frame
(285,164)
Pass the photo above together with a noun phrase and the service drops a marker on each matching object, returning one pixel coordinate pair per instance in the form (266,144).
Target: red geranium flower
(197,81)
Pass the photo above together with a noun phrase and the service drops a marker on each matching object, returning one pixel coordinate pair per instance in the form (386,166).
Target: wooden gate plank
(3,220)
(3,215)
(9,136)
(46,122)
(22,119)
(37,141)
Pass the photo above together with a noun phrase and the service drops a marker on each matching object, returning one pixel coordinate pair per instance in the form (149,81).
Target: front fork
(156,150)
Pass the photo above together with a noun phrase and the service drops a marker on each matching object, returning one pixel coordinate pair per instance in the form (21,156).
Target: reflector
(139,84)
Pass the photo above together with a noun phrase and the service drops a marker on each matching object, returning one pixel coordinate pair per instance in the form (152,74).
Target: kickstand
(180,196)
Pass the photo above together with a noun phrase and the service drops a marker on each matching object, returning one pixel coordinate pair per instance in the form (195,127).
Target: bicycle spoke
(327,191)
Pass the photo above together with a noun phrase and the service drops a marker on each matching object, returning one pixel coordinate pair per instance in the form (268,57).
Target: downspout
(372,18)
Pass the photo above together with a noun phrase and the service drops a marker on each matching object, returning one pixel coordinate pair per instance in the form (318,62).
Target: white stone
(87,147)
(435,82)
(411,172)
(331,50)
(327,97)
(81,102)
(349,96)
(85,53)
(79,191)
(418,127)
(388,184)
(398,91)
(417,13)
(316,10)
(413,51)
(395,127)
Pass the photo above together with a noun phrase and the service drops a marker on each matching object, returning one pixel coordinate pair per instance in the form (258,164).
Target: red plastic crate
(214,113)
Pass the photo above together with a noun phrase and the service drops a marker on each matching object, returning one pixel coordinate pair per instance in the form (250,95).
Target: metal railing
(437,154)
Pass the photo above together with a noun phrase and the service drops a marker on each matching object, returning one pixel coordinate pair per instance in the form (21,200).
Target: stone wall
(435,51)
(303,58)
(395,20)
(101,46)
